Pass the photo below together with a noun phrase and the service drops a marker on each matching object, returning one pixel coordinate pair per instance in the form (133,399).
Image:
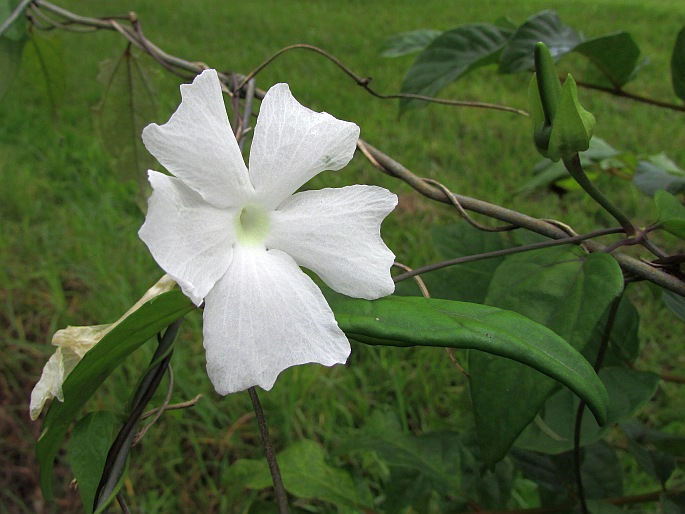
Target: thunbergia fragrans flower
(236,238)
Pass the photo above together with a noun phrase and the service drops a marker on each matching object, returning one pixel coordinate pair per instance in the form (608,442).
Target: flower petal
(292,144)
(190,239)
(197,145)
(264,316)
(49,385)
(336,234)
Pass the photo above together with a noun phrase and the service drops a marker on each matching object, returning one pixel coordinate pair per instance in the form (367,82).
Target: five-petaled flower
(236,238)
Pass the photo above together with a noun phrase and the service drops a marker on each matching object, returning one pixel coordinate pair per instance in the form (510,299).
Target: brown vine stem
(636,98)
(630,265)
(506,251)
(281,495)
(365,81)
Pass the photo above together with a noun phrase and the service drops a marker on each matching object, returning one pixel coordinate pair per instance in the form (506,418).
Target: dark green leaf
(489,488)
(96,365)
(419,465)
(464,282)
(678,65)
(671,444)
(10,62)
(307,475)
(128,105)
(659,172)
(675,303)
(657,464)
(566,290)
(451,55)
(44,57)
(602,472)
(88,447)
(615,55)
(552,430)
(545,26)
(672,503)
(624,340)
(671,213)
(408,42)
(413,321)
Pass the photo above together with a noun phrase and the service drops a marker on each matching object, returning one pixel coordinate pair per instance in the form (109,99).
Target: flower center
(252,225)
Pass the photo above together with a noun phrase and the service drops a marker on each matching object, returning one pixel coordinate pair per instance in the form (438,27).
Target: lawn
(70,255)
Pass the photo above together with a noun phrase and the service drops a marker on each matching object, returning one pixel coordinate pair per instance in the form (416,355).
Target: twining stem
(604,344)
(639,269)
(117,457)
(575,169)
(506,251)
(281,495)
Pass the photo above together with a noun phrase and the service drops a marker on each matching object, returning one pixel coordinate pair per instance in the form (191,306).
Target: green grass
(69,252)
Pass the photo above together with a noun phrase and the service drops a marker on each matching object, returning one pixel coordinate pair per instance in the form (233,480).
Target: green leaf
(43,56)
(624,340)
(307,475)
(615,55)
(546,27)
(419,465)
(96,365)
(127,106)
(671,213)
(678,65)
(602,473)
(90,441)
(572,126)
(562,288)
(408,42)
(413,321)
(10,62)
(675,303)
(451,55)
(652,175)
(464,282)
(489,488)
(552,431)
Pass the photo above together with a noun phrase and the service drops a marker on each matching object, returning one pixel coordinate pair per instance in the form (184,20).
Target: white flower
(236,238)
(72,344)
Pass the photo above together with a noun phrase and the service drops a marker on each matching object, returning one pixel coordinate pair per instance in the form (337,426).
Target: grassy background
(69,253)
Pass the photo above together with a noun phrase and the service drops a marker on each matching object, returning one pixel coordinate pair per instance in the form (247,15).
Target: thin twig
(634,267)
(157,413)
(365,81)
(507,251)
(281,495)
(122,503)
(247,113)
(465,215)
(417,278)
(637,98)
(174,406)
